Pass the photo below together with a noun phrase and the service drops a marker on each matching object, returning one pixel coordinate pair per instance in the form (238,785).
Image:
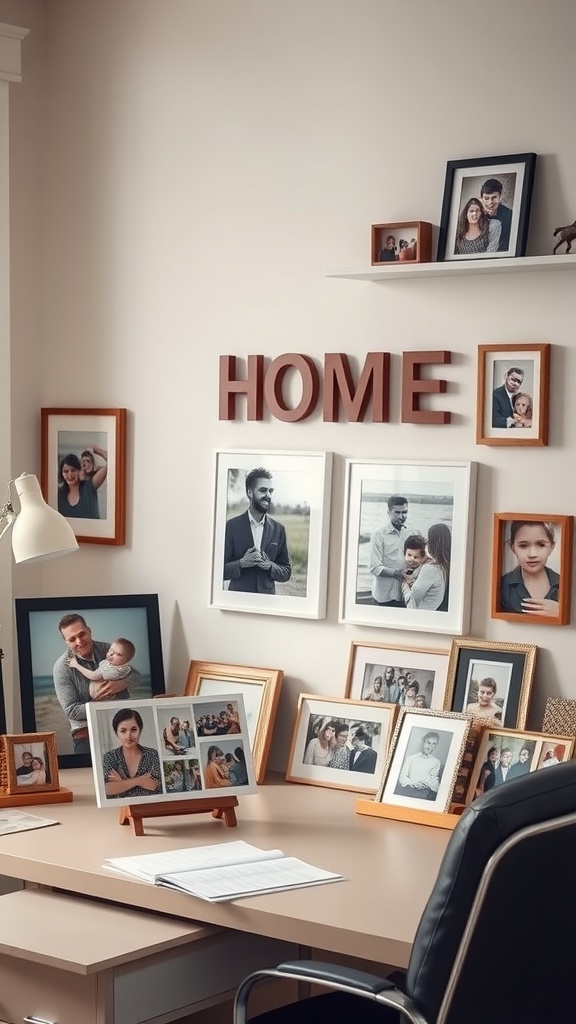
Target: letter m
(374,383)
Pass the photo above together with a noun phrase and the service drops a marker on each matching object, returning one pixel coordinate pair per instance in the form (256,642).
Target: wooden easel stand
(222,807)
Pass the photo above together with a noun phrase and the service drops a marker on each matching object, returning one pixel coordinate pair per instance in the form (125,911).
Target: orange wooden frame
(566,525)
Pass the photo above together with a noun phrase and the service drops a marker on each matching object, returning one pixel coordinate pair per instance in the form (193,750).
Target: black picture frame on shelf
(510,180)
(135,617)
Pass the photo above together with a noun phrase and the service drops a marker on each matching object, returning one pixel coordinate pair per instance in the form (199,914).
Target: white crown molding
(10,44)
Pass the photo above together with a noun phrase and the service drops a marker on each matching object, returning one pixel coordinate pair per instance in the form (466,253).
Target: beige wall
(197,166)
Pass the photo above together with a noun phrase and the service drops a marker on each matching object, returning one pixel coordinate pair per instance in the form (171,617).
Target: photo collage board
(169,749)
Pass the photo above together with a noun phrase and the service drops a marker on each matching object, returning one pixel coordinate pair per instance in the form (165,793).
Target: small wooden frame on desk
(220,807)
(29,770)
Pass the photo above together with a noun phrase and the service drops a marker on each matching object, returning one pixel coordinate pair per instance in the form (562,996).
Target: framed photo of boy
(490,680)
(513,394)
(340,743)
(422,765)
(83,470)
(532,568)
(407,551)
(486,207)
(394,674)
(260,689)
(31,763)
(270,533)
(56,694)
(506,754)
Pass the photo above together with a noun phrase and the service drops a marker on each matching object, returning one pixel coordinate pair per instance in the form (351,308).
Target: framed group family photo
(340,743)
(505,754)
(396,674)
(513,394)
(270,533)
(260,689)
(401,242)
(486,207)
(407,546)
(532,568)
(424,759)
(163,750)
(55,694)
(83,470)
(491,680)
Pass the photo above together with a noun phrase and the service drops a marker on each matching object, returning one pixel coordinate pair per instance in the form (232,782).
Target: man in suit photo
(491,197)
(255,546)
(363,756)
(503,398)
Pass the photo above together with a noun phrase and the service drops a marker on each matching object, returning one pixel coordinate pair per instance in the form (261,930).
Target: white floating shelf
(403,271)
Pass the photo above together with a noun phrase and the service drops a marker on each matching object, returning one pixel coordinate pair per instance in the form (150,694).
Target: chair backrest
(519,962)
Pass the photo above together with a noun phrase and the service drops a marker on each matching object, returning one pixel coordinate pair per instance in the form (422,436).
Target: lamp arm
(6,513)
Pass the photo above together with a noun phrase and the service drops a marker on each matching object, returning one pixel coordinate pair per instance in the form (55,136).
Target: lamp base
(58,796)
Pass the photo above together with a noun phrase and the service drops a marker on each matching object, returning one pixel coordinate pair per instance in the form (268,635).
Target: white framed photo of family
(407,548)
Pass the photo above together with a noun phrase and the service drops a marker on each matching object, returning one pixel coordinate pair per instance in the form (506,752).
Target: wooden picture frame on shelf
(260,689)
(513,395)
(515,565)
(83,471)
(401,242)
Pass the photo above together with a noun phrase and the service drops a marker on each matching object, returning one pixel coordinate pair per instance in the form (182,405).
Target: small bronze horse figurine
(567,234)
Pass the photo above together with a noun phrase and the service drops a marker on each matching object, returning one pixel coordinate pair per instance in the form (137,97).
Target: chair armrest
(333,975)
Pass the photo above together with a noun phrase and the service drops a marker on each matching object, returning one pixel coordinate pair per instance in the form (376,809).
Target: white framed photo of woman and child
(513,395)
(532,568)
(83,471)
(396,674)
(340,743)
(159,750)
(486,207)
(407,548)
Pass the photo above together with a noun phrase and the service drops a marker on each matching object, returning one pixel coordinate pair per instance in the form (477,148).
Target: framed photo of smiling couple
(486,207)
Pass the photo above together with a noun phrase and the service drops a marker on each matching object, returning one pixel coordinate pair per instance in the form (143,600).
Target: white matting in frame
(176,762)
(392,662)
(496,366)
(300,510)
(435,492)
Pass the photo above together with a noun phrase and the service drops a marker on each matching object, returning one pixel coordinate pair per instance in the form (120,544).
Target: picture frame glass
(438,495)
(383,673)
(294,541)
(41,647)
(340,743)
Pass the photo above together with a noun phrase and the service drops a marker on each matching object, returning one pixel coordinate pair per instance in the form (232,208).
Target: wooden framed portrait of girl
(532,568)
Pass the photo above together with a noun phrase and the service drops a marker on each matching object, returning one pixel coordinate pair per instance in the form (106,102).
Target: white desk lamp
(38,532)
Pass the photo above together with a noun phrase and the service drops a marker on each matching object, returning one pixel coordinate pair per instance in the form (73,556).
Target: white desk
(389,867)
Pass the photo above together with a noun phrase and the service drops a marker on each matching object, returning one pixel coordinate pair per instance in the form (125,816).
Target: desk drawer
(33,989)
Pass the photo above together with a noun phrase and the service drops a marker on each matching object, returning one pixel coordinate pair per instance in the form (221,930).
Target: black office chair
(496,943)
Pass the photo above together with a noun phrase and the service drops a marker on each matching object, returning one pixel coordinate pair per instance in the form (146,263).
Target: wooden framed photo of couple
(407,548)
(270,532)
(31,763)
(83,471)
(486,207)
(532,568)
(340,743)
(513,394)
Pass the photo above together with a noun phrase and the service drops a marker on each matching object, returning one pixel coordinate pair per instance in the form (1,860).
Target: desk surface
(389,867)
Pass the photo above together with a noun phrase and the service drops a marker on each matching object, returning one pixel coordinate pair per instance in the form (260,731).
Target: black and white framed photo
(397,674)
(491,680)
(121,631)
(270,537)
(424,758)
(340,743)
(513,394)
(486,207)
(162,750)
(407,548)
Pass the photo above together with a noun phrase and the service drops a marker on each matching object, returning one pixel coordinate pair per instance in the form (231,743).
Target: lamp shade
(39,531)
